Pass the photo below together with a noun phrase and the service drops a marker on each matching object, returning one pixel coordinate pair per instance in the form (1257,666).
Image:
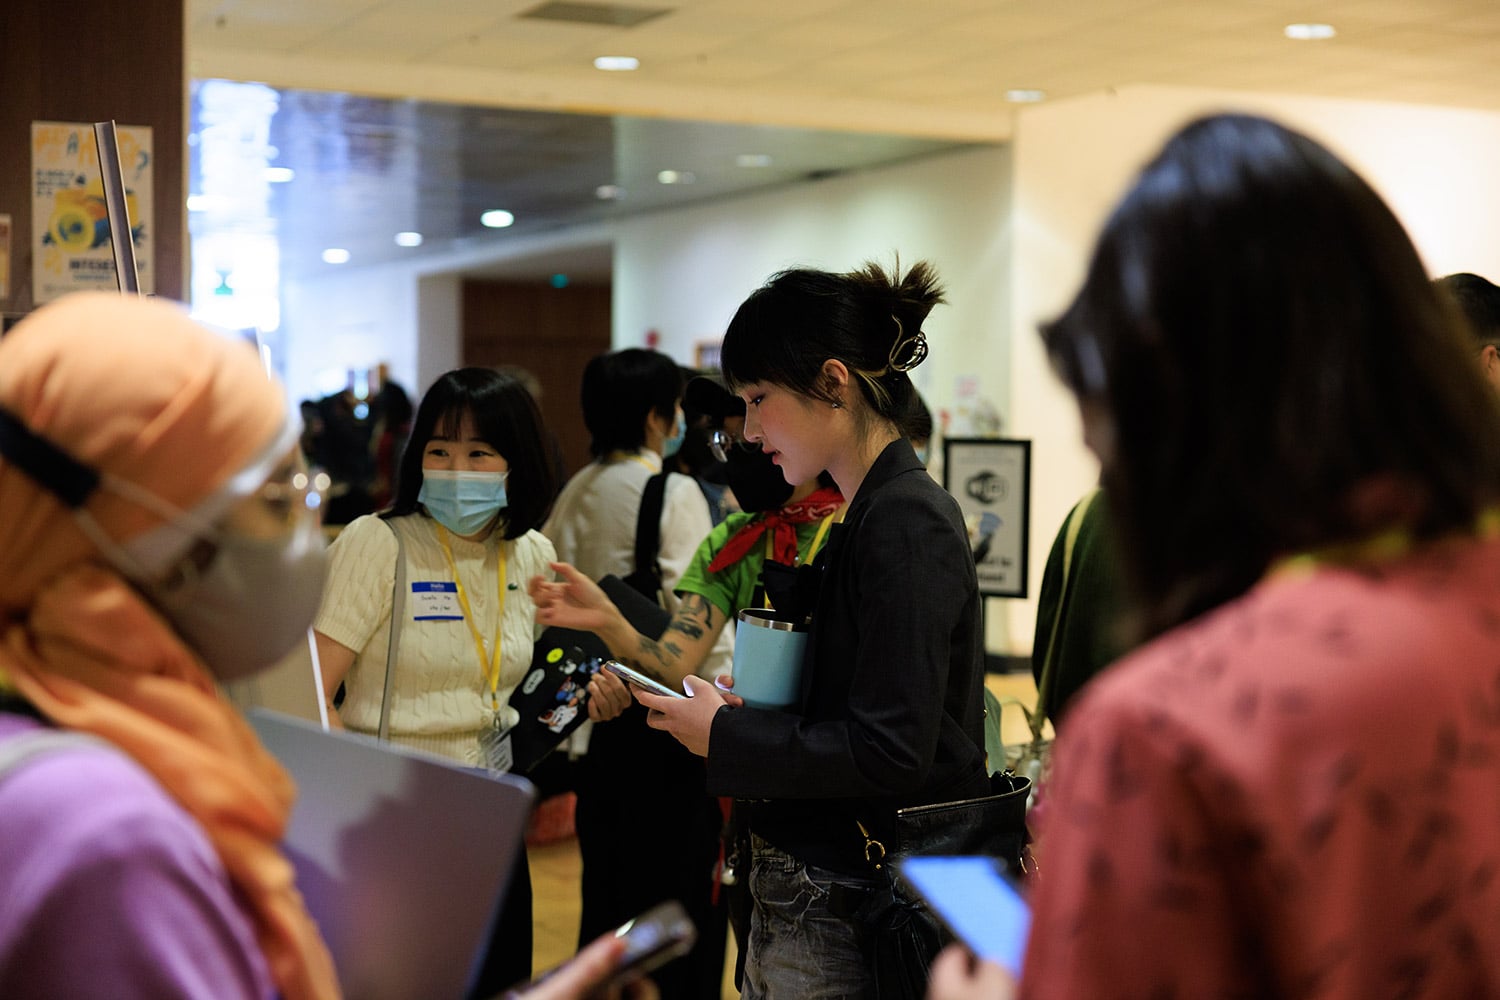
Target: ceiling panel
(858,68)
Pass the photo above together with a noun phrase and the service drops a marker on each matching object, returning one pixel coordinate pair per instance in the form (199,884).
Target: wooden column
(88,61)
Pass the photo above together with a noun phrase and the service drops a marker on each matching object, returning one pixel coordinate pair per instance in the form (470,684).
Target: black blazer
(893,709)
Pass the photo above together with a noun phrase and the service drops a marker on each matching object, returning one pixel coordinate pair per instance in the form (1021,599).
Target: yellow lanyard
(812,549)
(626,456)
(488,666)
(1383,546)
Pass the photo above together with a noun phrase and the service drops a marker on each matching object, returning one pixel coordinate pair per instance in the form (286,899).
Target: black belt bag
(994,825)
(907,936)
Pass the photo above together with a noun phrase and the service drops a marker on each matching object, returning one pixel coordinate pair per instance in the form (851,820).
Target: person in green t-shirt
(778,522)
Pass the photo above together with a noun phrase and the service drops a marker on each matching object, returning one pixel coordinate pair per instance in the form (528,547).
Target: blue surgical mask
(679,431)
(463,502)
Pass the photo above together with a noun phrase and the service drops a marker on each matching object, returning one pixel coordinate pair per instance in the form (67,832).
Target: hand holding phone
(977,902)
(618,959)
(640,680)
(653,939)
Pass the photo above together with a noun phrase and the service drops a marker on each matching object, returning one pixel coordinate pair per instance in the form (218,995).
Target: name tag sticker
(435,601)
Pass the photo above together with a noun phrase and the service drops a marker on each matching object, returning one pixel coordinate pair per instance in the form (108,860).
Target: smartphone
(640,680)
(653,939)
(978,903)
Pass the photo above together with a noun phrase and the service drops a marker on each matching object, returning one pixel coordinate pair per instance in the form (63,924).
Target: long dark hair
(800,318)
(1276,372)
(505,417)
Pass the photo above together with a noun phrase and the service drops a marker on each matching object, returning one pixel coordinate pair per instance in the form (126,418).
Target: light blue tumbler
(768,659)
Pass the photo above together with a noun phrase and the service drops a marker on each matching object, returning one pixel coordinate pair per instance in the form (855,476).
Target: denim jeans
(799,950)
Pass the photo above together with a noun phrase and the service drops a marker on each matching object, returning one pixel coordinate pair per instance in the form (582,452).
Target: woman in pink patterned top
(1293,789)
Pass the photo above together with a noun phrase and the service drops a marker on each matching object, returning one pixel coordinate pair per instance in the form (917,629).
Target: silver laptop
(403,857)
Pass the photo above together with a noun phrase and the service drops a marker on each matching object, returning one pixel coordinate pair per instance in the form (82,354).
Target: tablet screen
(977,903)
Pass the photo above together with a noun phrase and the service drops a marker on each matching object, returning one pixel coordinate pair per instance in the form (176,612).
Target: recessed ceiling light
(675,177)
(1309,32)
(335,255)
(609,192)
(1021,95)
(408,239)
(753,160)
(496,218)
(617,64)
(280,175)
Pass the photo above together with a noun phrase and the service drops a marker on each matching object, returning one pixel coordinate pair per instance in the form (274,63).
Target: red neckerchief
(781,523)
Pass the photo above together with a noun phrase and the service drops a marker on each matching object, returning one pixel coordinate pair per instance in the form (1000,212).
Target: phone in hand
(653,939)
(632,676)
(976,900)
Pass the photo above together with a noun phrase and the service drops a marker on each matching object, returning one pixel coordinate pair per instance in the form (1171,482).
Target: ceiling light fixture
(408,239)
(753,160)
(675,177)
(1309,32)
(609,192)
(335,255)
(617,64)
(280,175)
(1021,95)
(496,218)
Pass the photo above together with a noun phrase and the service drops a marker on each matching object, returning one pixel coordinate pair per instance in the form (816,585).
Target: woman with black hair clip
(1291,789)
(892,711)
(475,482)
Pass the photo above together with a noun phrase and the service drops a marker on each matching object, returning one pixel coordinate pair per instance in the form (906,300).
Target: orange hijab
(136,389)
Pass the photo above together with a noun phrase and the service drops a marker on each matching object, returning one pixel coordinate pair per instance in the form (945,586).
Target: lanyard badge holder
(495,751)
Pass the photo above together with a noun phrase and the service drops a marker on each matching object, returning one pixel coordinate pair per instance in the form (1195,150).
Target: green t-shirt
(738,586)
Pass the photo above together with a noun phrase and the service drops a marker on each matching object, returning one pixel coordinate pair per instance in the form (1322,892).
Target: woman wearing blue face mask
(474,484)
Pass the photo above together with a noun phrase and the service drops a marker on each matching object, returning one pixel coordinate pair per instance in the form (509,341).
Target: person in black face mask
(778,522)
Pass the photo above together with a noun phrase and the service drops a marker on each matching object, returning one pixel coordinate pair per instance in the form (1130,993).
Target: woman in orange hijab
(156,535)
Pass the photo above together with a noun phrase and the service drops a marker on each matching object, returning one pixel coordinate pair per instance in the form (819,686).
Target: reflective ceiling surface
(477,104)
(364,169)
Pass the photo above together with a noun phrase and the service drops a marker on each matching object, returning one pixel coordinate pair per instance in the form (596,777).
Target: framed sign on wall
(991,480)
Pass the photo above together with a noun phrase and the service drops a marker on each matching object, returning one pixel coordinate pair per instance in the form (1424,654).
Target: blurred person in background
(1297,772)
(157,534)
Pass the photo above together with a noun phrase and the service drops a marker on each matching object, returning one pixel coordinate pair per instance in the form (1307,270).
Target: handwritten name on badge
(435,601)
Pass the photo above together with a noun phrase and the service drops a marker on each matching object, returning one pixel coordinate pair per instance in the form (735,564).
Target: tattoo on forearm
(693,617)
(651,660)
(663,658)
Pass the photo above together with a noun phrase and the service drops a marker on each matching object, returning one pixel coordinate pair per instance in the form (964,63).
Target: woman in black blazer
(891,713)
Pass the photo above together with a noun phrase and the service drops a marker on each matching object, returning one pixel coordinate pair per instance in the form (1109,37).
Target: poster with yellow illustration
(69,226)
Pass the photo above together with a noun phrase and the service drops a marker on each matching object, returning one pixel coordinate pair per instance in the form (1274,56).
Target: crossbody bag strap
(1045,687)
(398,612)
(648,525)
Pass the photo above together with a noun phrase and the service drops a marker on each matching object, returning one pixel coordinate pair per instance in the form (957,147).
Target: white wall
(407,315)
(684,273)
(1437,167)
(349,319)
